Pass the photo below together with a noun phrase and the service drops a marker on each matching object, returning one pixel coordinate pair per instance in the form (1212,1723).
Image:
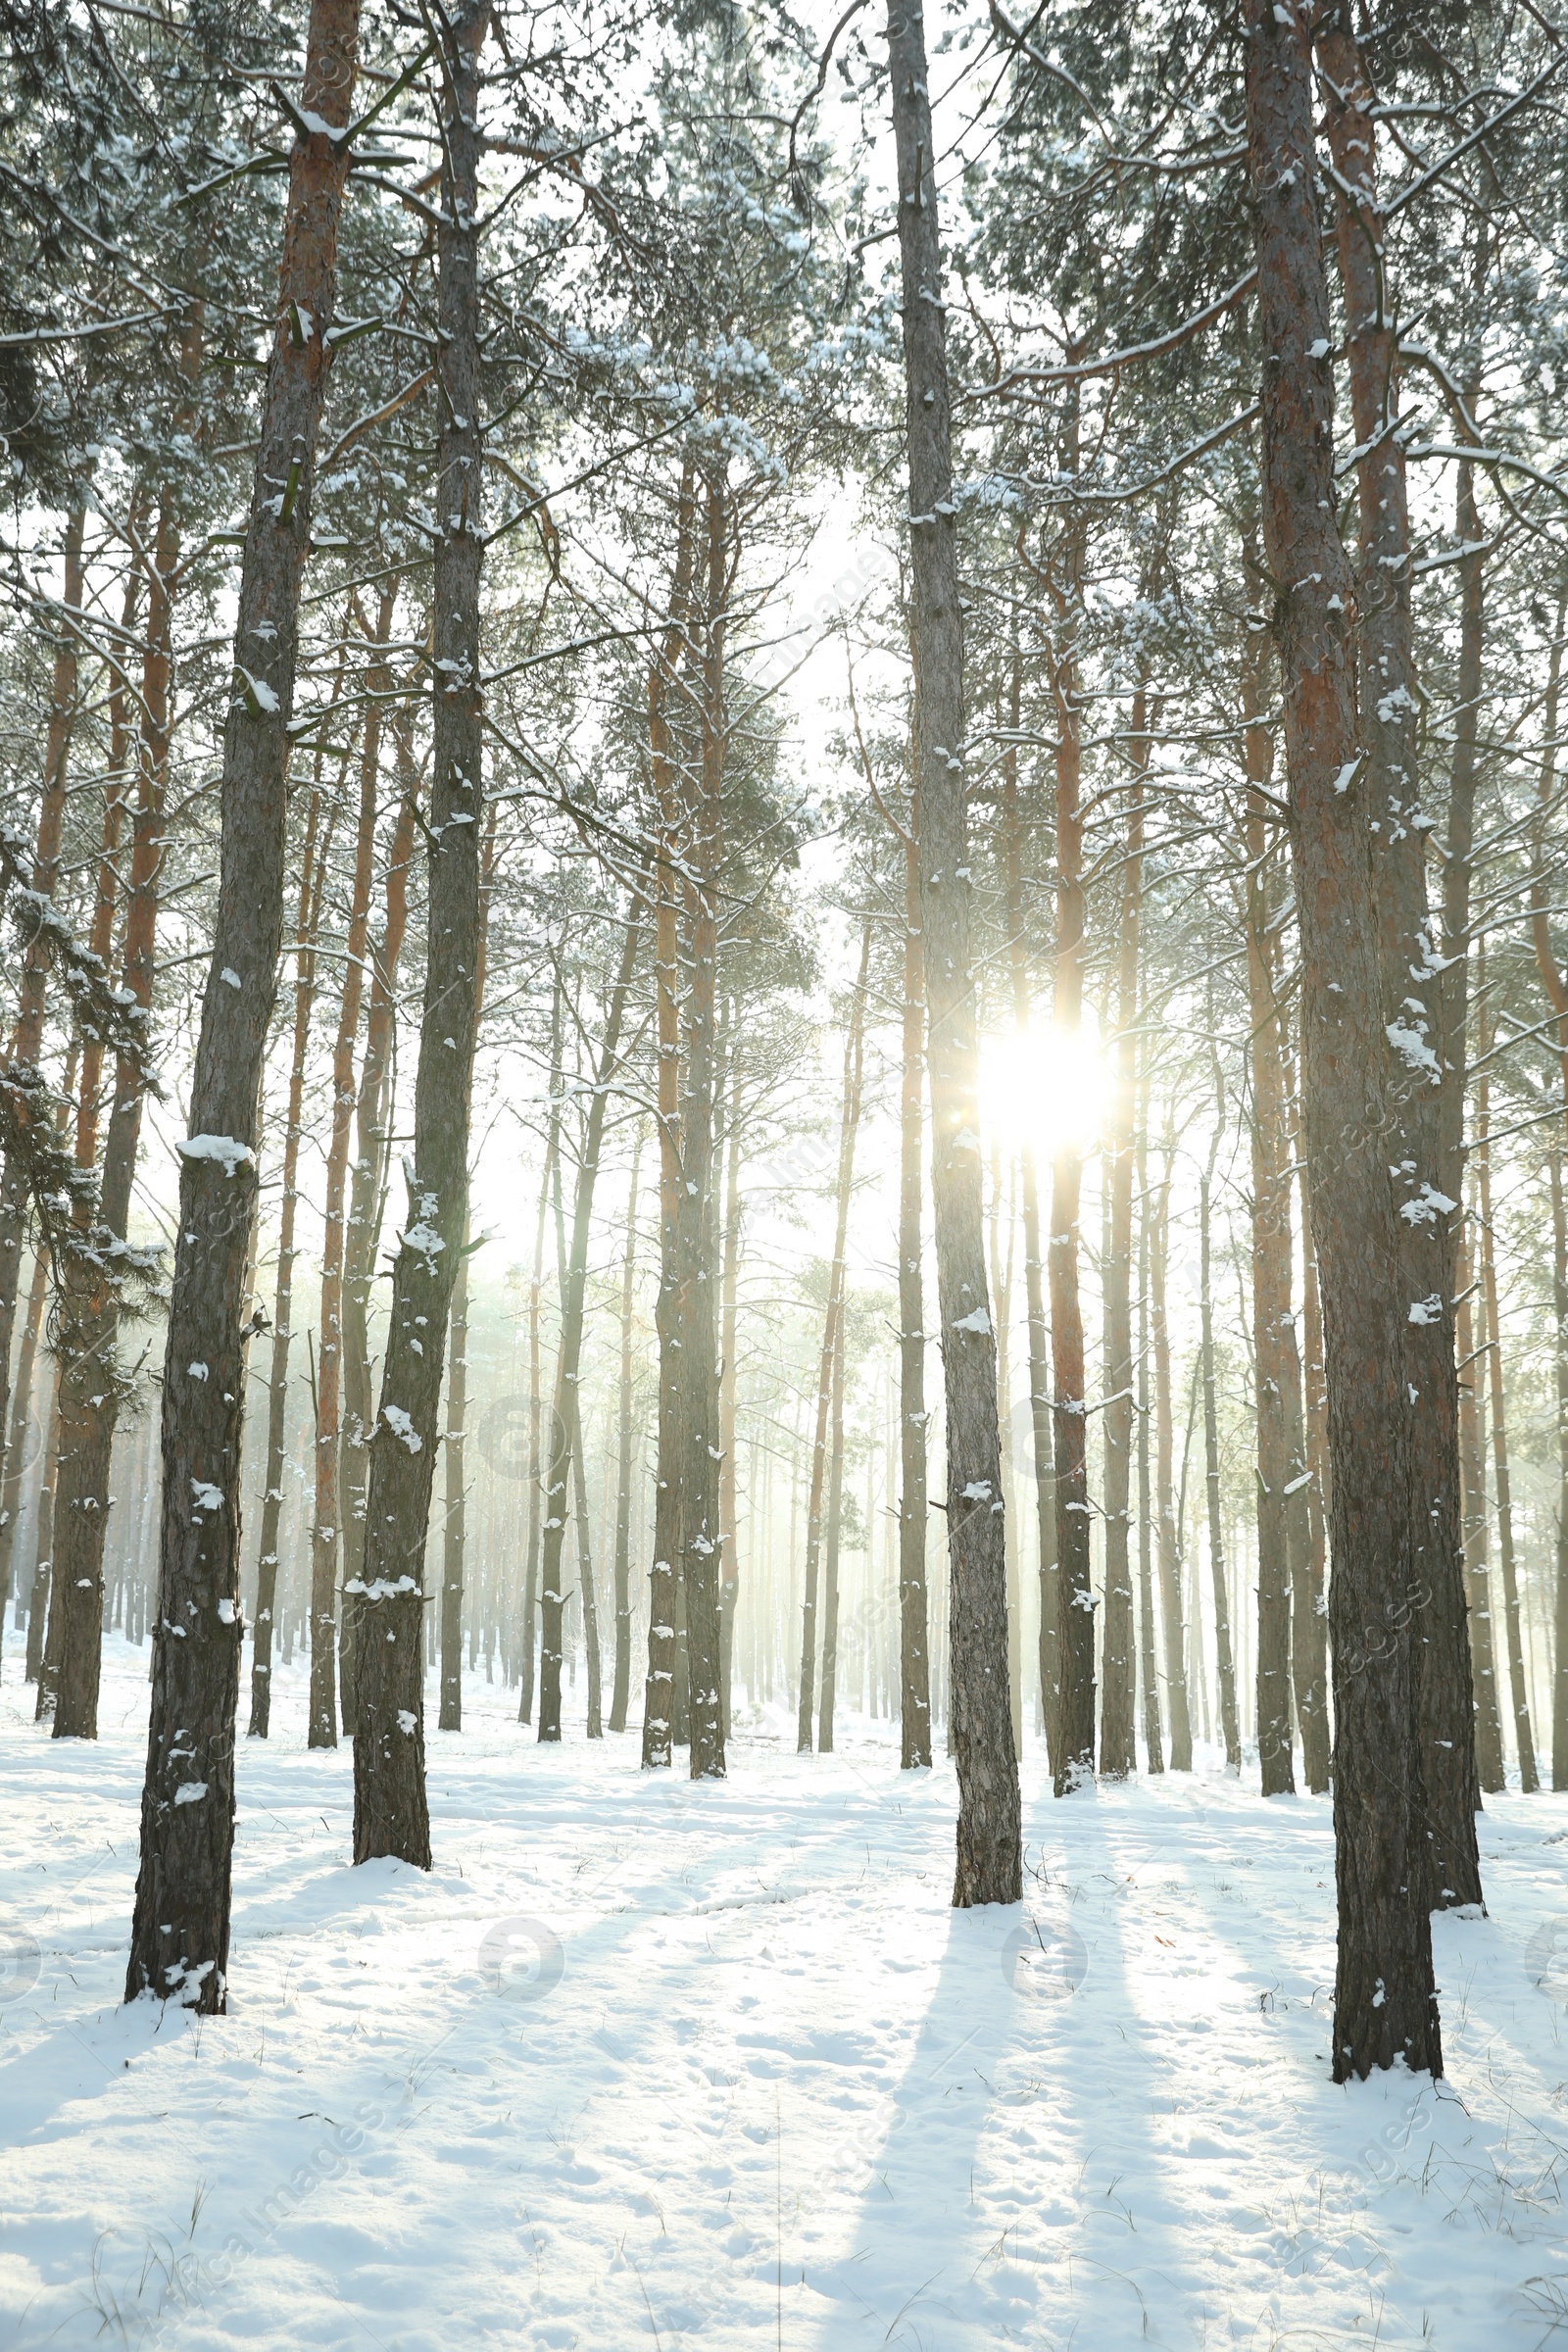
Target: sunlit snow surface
(638,2064)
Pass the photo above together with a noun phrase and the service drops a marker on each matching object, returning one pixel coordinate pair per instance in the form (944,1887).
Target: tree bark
(658,1703)
(1315,1418)
(1556,989)
(43,1664)
(40,1624)
(586,1578)
(536,1458)
(701,1558)
(569,1361)
(1283,1569)
(26,1049)
(914,1641)
(830,1552)
(728,1378)
(622,1691)
(325,1529)
(1523,1739)
(1167,1551)
(1002,1301)
(1560,1301)
(1074,1761)
(1489,1713)
(1413,969)
(313,867)
(454,1528)
(1034,1267)
(1147,1661)
(179,1936)
(92,1384)
(26,1037)
(1119,1749)
(1304,1541)
(1216,1541)
(17,1462)
(368,1193)
(454,1438)
(115,787)
(1385,2003)
(391,1810)
(832,1329)
(989,1862)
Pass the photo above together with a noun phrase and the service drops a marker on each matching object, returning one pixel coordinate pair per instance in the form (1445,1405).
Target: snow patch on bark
(222,1148)
(402,1428)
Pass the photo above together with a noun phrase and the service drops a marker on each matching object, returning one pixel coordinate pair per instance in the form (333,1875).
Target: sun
(1042,1088)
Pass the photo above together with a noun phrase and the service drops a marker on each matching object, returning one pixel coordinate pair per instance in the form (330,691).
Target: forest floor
(644,2064)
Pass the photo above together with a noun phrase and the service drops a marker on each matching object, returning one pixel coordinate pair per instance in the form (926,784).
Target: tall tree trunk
(1455,1005)
(454,1528)
(1280,1476)
(1556,989)
(696,1233)
(391,1810)
(1075,1758)
(367,1197)
(1034,1267)
(1216,1541)
(990,1861)
(622,1691)
(116,790)
(1385,2003)
(1118,1749)
(728,1377)
(1167,1550)
(313,869)
(1488,1712)
(453,1533)
(658,1703)
(26,1049)
(83,1347)
(92,1384)
(585,1576)
(832,1324)
(1524,1741)
(179,1936)
(43,1667)
(1413,969)
(1303,1513)
(573,1283)
(326,1526)
(1002,1301)
(830,1553)
(536,1456)
(42,1626)
(1148,1662)
(1560,1301)
(17,1462)
(27,1038)
(914,1641)
(1314,1392)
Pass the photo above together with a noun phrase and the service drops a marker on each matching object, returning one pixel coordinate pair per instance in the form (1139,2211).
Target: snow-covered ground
(643,2064)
